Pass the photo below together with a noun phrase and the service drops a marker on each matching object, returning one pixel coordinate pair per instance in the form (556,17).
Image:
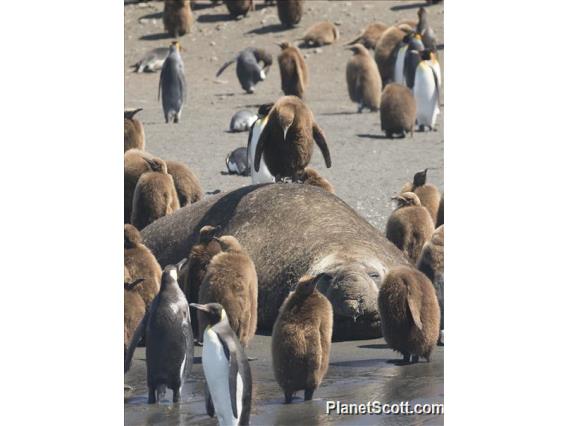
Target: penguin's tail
(225,65)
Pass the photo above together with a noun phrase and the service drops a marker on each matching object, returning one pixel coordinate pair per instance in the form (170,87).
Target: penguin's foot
(288,397)
(360,109)
(406,358)
(176,396)
(308,394)
(151,396)
(415,359)
(422,128)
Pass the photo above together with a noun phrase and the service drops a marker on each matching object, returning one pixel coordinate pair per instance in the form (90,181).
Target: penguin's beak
(203,308)
(181,264)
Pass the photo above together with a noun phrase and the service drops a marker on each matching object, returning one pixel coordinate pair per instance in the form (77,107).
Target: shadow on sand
(157,36)
(272,28)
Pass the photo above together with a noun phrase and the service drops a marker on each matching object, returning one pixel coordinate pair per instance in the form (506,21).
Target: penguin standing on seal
(290,12)
(363,79)
(262,175)
(301,339)
(231,280)
(410,225)
(398,110)
(227,371)
(410,315)
(177,17)
(427,81)
(287,141)
(293,70)
(427,193)
(172,85)
(133,131)
(169,340)
(155,195)
(239,7)
(249,71)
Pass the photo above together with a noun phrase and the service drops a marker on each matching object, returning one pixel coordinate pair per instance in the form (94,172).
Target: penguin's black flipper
(319,137)
(134,341)
(411,61)
(209,402)
(225,65)
(228,347)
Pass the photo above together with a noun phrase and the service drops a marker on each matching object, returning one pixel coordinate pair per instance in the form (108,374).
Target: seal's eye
(375,276)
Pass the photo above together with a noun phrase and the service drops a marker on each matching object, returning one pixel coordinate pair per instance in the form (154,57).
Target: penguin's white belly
(426,95)
(399,66)
(263,175)
(216,369)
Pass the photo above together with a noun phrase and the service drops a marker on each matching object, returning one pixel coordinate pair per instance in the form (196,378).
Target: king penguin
(407,57)
(169,338)
(426,90)
(172,85)
(263,175)
(227,371)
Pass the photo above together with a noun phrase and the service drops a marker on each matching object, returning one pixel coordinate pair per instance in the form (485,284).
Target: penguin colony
(393,69)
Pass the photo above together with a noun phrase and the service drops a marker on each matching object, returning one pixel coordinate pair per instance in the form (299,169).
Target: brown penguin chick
(320,34)
(239,7)
(370,35)
(440,217)
(186,183)
(199,257)
(134,166)
(363,79)
(287,140)
(431,264)
(312,177)
(427,193)
(290,11)
(154,196)
(141,263)
(301,339)
(410,315)
(398,110)
(134,307)
(293,70)
(231,280)
(133,131)
(385,52)
(410,225)
(177,17)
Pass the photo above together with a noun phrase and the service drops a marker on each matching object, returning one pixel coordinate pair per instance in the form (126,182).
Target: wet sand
(359,371)
(367,170)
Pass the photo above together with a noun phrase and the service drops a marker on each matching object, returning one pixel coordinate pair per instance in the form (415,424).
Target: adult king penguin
(226,368)
(172,84)
(407,58)
(427,81)
(169,338)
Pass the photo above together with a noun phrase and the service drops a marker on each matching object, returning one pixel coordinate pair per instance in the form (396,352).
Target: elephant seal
(290,230)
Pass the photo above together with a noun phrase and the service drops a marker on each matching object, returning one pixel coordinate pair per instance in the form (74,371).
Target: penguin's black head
(263,110)
(426,55)
(407,37)
(214,312)
(131,113)
(171,272)
(420,178)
